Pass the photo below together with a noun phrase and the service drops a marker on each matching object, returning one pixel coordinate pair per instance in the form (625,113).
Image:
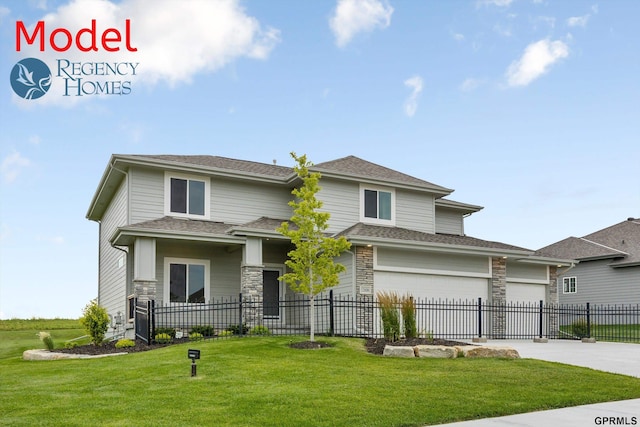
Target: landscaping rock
(51,355)
(489,351)
(398,351)
(436,351)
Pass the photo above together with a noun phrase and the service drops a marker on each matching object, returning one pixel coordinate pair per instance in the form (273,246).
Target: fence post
(240,316)
(540,319)
(151,323)
(331,314)
(588,321)
(479,317)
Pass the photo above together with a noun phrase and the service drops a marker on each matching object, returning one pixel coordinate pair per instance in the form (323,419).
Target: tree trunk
(312,317)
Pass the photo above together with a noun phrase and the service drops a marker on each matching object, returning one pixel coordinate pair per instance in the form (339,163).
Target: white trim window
(377,205)
(186,196)
(186,280)
(569,285)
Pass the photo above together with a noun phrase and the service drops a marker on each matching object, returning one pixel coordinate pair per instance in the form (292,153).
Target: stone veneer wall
(552,298)
(251,289)
(145,290)
(364,282)
(499,297)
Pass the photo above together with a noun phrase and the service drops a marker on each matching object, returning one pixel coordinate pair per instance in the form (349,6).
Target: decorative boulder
(489,351)
(398,351)
(436,351)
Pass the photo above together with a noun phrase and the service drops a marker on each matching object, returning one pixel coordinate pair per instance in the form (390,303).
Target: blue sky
(529,108)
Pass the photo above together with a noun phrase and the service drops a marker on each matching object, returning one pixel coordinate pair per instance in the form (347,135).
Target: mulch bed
(373,345)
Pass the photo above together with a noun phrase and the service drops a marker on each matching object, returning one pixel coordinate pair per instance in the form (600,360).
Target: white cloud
(470,84)
(535,61)
(175,40)
(578,21)
(12,166)
(457,36)
(357,16)
(4,11)
(411,104)
(499,3)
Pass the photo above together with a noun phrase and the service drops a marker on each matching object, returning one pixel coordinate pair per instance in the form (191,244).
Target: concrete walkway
(617,358)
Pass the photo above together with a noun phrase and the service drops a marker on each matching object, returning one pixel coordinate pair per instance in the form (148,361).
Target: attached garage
(429,286)
(526,292)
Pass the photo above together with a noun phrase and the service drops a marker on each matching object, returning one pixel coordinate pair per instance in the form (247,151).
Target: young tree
(312,261)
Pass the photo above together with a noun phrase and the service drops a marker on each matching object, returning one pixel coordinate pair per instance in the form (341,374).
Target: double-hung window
(377,205)
(187,196)
(186,280)
(569,285)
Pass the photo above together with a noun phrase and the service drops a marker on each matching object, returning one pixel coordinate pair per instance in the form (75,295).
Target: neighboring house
(192,229)
(608,271)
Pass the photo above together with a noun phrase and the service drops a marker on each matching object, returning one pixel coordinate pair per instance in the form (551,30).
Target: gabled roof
(619,242)
(223,163)
(352,167)
(366,233)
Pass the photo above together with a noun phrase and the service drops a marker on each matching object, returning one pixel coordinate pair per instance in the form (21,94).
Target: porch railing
(360,317)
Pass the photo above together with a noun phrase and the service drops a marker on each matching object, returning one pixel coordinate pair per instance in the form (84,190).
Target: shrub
(225,333)
(238,330)
(204,330)
(45,337)
(408,309)
(163,338)
(260,330)
(169,331)
(71,344)
(389,315)
(580,328)
(195,336)
(125,343)
(95,321)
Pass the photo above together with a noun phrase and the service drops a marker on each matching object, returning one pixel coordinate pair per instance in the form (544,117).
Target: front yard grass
(261,381)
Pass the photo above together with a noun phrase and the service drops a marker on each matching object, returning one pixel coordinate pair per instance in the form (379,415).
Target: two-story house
(191,229)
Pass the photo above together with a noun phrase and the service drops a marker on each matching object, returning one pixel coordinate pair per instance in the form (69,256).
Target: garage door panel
(525,292)
(426,286)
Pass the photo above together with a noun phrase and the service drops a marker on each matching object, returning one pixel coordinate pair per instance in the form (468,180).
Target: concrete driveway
(619,358)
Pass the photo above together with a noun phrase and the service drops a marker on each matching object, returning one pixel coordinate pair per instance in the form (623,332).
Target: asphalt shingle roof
(620,241)
(355,166)
(225,163)
(396,233)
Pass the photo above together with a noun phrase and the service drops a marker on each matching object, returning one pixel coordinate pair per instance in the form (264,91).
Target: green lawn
(261,381)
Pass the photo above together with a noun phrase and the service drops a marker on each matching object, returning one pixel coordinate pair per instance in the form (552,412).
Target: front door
(271,293)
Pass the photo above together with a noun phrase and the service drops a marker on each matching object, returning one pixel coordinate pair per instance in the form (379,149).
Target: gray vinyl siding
(522,271)
(449,221)
(597,283)
(415,211)
(346,285)
(342,200)
(147,194)
(224,274)
(408,259)
(112,279)
(238,202)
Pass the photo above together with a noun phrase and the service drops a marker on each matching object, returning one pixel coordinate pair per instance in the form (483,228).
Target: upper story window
(569,285)
(377,205)
(186,196)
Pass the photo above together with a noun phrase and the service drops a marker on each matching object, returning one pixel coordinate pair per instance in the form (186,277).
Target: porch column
(144,269)
(499,297)
(364,289)
(251,281)
(552,300)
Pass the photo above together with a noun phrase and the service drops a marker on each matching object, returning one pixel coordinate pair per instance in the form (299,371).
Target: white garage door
(425,286)
(525,293)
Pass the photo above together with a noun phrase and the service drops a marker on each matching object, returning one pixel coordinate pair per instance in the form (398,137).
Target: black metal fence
(360,317)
